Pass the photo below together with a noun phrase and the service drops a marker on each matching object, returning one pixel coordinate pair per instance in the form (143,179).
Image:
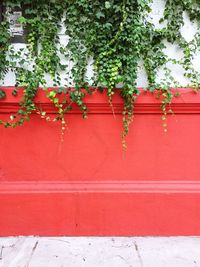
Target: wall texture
(188,32)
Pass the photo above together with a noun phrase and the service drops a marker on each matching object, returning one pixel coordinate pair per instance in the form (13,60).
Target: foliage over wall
(116,34)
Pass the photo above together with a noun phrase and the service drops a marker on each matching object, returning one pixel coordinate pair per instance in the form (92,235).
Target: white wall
(188,31)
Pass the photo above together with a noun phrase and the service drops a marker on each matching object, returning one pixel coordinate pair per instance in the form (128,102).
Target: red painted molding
(168,187)
(187,103)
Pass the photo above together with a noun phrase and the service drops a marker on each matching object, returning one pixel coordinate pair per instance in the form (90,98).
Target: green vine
(117,35)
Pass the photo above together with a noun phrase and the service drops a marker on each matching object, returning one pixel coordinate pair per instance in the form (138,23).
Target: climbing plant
(117,35)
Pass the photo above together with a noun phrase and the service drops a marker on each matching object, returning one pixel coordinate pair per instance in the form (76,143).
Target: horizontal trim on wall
(97,103)
(168,187)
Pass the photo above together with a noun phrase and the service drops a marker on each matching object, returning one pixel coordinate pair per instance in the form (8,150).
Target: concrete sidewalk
(100,252)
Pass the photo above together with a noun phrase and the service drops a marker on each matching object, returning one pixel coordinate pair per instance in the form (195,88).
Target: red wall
(87,185)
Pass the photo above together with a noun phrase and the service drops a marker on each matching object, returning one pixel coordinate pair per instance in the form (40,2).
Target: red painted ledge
(108,187)
(146,103)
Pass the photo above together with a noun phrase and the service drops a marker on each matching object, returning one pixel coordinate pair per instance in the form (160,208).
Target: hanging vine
(116,34)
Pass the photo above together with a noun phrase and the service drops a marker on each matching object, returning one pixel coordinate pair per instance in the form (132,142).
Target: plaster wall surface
(188,31)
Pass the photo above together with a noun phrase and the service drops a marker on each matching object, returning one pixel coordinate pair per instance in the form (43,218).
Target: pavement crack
(138,253)
(1,253)
(2,248)
(123,259)
(31,255)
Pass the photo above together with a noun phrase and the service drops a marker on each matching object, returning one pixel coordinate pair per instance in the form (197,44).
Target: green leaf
(107,4)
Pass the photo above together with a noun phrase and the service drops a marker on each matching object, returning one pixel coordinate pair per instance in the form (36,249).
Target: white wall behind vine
(188,31)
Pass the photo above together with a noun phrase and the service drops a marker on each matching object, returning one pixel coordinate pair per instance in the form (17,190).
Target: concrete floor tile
(100,252)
